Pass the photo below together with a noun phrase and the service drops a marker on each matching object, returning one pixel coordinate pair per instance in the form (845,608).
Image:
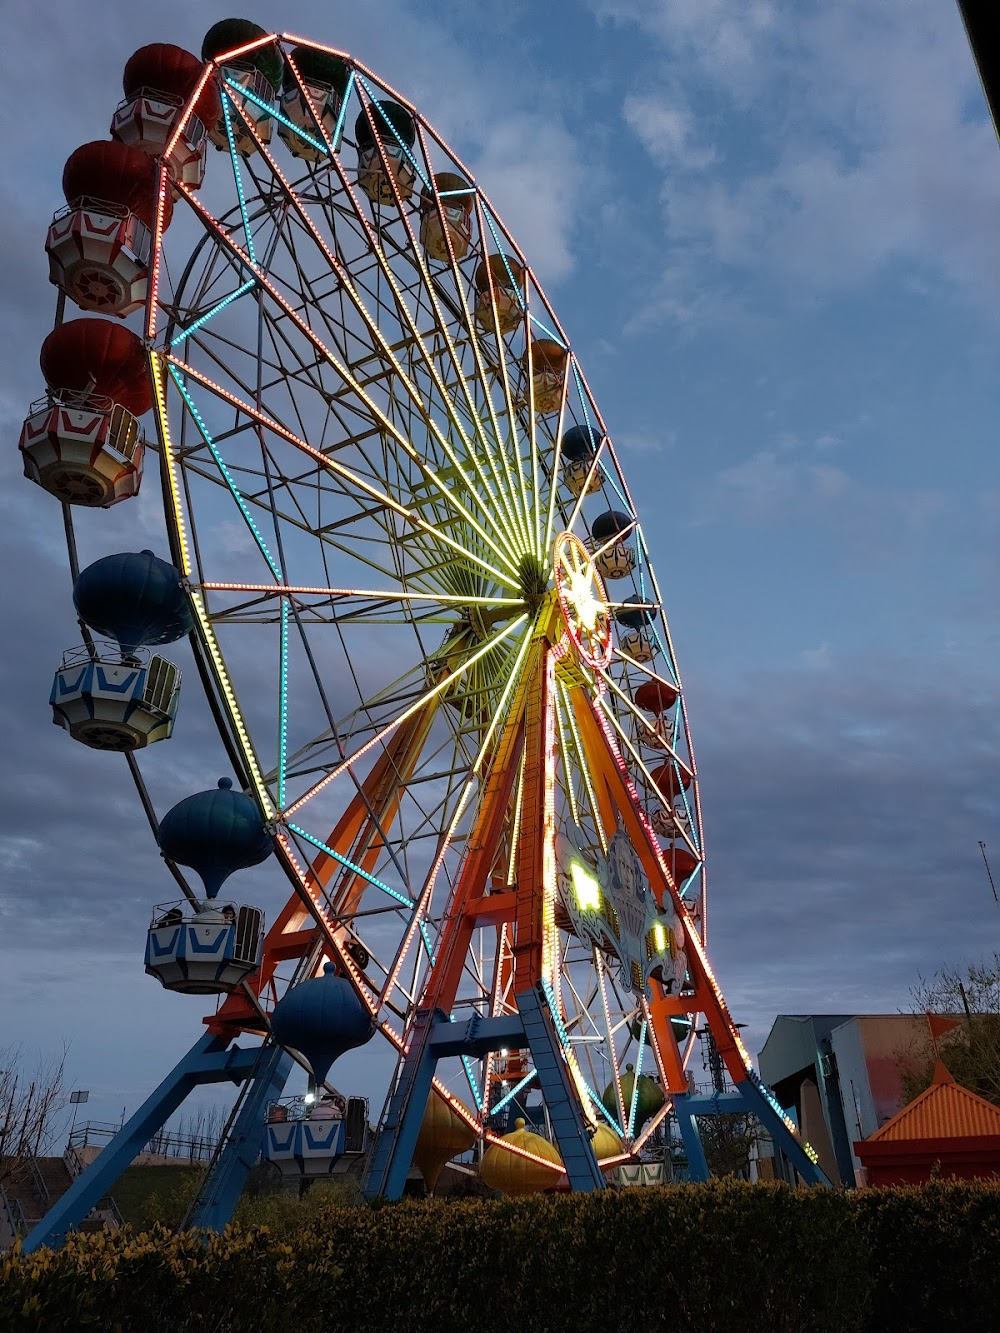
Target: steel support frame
(617,802)
(210,1060)
(433,1038)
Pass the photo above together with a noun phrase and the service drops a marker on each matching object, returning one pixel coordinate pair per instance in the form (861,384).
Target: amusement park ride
(421,607)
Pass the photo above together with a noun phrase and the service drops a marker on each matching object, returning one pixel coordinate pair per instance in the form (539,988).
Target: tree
(30,1103)
(971,1050)
(729,1141)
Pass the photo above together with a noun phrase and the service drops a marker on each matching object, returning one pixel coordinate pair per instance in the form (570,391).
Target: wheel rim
(363,498)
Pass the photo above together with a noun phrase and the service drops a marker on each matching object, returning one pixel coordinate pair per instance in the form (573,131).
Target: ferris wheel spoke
(380,341)
(484,751)
(508,493)
(431,693)
(344,473)
(361,393)
(583,767)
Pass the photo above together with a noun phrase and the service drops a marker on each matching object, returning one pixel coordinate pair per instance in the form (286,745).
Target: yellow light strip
(390,595)
(167,448)
(207,632)
(508,397)
(520,518)
(564,756)
(233,708)
(334,466)
(585,770)
(428,889)
(515,832)
(415,707)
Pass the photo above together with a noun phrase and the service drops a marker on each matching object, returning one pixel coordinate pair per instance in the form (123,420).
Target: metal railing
(186,1147)
(38,1182)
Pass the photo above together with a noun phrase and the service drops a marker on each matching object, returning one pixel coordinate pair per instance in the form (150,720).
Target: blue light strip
(239,178)
(350,865)
(635,1081)
(472,1082)
(203,430)
(469,1073)
(272,110)
(515,286)
(413,160)
(518,1087)
(563,1036)
(338,129)
(221,305)
(545,329)
(283,704)
(427,942)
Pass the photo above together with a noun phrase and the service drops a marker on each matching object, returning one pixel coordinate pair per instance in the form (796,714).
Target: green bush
(691,1259)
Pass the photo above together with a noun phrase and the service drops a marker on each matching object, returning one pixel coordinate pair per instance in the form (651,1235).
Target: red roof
(945,1110)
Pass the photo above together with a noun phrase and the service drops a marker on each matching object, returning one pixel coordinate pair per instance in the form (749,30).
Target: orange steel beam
(481,850)
(706,998)
(374,808)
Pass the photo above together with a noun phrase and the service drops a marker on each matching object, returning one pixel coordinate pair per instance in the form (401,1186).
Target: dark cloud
(843,814)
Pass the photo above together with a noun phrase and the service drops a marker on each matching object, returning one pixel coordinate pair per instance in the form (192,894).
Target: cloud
(831,144)
(770,482)
(668,132)
(843,809)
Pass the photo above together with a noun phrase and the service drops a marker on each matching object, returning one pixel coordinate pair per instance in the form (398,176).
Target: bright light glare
(586,888)
(659,937)
(581,594)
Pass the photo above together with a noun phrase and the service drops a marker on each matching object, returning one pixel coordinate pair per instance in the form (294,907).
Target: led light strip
(350,865)
(518,1087)
(484,749)
(413,161)
(585,1092)
(637,1072)
(415,707)
(373,595)
(283,704)
(239,178)
(222,675)
(599,962)
(273,111)
(372,324)
(209,314)
(332,464)
(203,431)
(197,602)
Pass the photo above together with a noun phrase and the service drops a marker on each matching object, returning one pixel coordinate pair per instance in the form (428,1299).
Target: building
(947,1130)
(840,1077)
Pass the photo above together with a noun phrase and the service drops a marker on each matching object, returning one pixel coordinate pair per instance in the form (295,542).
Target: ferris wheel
(422,606)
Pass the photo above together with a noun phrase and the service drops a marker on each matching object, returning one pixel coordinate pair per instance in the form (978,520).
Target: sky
(770,232)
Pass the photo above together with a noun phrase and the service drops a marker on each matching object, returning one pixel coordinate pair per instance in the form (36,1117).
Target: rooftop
(945,1110)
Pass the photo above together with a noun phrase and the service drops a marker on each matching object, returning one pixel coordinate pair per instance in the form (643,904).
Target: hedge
(691,1259)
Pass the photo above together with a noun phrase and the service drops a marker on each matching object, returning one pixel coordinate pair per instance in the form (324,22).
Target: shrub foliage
(692,1259)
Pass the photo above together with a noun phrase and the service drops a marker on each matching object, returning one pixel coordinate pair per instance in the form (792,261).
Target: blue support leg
(217,1200)
(693,1146)
(208,1061)
(762,1103)
(560,1097)
(386,1175)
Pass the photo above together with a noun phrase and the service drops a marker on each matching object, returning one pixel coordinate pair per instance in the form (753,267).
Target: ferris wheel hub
(583,600)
